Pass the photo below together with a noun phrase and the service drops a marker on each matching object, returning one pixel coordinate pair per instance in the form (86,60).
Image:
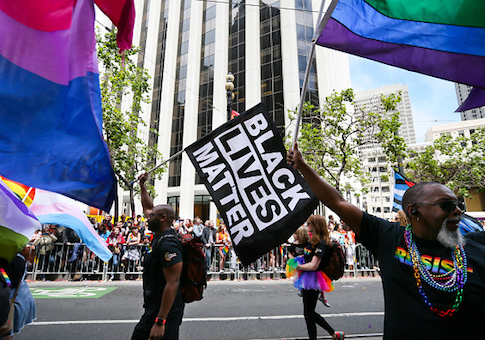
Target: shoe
(324,300)
(339,335)
(300,294)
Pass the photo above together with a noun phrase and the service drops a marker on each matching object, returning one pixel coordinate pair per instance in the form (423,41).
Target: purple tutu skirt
(316,280)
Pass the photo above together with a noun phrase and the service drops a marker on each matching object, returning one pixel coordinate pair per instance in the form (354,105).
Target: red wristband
(160,321)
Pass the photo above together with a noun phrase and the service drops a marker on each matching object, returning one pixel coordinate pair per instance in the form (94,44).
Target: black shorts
(144,326)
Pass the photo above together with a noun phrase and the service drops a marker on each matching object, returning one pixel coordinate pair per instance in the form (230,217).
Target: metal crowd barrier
(59,261)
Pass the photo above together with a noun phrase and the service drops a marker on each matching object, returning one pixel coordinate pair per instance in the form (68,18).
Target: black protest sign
(243,166)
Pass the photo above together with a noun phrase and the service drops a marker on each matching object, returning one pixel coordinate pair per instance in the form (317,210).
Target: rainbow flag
(441,38)
(17,223)
(50,103)
(225,250)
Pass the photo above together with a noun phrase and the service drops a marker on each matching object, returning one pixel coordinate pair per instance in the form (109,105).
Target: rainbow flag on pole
(441,38)
(17,223)
(50,102)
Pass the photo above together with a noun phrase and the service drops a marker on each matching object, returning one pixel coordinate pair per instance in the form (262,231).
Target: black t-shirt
(296,249)
(406,314)
(310,251)
(165,253)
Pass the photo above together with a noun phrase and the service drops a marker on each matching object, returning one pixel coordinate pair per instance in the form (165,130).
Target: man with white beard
(434,283)
(450,238)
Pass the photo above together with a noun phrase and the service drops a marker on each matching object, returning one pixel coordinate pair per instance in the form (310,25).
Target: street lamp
(229,93)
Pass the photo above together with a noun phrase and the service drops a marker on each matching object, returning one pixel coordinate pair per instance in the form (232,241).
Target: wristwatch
(160,321)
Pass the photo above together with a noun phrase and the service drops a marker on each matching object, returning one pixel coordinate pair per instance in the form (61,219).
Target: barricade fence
(76,262)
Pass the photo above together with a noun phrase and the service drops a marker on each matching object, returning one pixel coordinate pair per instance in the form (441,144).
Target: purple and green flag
(441,38)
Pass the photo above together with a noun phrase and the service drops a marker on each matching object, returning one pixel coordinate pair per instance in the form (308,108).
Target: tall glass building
(188,48)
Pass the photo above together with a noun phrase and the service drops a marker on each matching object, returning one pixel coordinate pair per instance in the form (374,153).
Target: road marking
(70,293)
(239,318)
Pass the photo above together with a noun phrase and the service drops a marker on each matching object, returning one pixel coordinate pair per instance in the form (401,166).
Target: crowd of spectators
(59,249)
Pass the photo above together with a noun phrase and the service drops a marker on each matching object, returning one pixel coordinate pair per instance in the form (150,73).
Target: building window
(174,201)
(201,206)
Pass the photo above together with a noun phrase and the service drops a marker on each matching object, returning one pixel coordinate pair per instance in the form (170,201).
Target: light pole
(229,93)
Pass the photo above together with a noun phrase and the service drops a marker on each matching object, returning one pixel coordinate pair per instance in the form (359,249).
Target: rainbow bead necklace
(452,281)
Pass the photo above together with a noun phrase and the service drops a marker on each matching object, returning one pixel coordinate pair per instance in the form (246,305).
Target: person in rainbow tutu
(310,279)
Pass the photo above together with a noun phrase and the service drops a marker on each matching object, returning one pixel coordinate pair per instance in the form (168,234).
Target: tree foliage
(121,80)
(457,162)
(331,137)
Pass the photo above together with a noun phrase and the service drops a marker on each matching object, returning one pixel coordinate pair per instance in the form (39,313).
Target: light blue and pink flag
(17,223)
(50,102)
(52,208)
(441,38)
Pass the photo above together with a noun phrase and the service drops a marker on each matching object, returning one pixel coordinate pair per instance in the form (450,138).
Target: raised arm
(146,200)
(327,194)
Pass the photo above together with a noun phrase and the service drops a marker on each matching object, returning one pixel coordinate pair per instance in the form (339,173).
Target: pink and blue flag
(441,38)
(50,102)
(53,208)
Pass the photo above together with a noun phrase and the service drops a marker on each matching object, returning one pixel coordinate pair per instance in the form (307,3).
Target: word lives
(248,176)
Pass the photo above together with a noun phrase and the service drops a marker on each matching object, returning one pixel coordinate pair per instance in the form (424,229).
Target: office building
(378,200)
(462,92)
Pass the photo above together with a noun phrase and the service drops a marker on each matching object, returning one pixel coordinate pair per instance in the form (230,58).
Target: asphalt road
(269,309)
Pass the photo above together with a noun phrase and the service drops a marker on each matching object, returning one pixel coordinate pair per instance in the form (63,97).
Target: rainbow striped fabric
(5,276)
(50,102)
(17,223)
(441,38)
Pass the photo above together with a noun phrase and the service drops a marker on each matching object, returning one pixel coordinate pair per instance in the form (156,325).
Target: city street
(265,309)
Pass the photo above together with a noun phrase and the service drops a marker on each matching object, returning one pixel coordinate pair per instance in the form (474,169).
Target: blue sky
(433,100)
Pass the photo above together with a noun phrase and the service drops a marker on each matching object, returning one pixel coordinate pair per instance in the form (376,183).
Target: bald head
(164,209)
(161,218)
(416,193)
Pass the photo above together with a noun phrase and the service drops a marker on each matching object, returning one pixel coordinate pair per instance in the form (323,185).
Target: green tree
(457,162)
(331,137)
(120,78)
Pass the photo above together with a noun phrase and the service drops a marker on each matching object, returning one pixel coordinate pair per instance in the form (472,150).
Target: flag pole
(161,164)
(321,25)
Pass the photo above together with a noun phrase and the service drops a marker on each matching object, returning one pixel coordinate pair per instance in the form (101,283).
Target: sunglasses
(447,205)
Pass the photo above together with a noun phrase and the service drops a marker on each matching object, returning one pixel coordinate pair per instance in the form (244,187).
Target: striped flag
(401,184)
(225,250)
(52,208)
(441,38)
(17,223)
(50,101)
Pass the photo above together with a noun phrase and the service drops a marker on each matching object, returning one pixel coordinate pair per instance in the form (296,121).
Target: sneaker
(300,294)
(339,335)
(324,300)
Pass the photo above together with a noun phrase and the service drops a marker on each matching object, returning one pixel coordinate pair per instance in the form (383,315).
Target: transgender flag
(50,102)
(17,223)
(51,208)
(441,38)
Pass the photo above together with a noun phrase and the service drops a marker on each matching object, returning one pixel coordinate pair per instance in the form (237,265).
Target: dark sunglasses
(447,205)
